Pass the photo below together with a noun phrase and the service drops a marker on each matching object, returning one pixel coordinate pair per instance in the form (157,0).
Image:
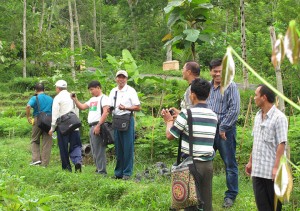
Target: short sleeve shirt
(45,102)
(127,96)
(267,135)
(94,107)
(204,130)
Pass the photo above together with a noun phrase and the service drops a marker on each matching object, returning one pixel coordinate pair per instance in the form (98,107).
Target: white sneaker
(35,163)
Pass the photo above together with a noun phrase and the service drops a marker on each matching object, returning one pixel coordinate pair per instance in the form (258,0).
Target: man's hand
(274,171)
(248,168)
(223,136)
(97,130)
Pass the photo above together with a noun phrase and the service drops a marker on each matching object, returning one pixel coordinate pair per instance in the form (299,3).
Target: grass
(87,191)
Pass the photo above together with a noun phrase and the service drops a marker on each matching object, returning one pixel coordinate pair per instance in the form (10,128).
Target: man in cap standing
(125,100)
(69,144)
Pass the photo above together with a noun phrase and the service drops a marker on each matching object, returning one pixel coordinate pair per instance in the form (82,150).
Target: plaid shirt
(267,135)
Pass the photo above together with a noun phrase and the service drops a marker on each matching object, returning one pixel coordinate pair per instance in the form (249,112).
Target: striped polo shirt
(204,130)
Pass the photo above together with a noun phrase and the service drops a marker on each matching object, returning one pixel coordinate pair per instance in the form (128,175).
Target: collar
(201,105)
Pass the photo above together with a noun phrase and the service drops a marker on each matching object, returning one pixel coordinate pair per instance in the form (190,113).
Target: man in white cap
(125,100)
(69,144)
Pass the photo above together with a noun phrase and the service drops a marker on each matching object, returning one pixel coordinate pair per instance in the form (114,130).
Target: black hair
(194,67)
(201,88)
(264,90)
(39,87)
(94,84)
(215,63)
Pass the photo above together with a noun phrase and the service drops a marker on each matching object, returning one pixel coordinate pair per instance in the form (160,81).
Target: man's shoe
(125,177)
(116,177)
(35,163)
(228,202)
(77,167)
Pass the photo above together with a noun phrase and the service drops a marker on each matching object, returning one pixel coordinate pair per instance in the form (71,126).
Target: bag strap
(38,103)
(115,98)
(190,124)
(192,167)
(101,109)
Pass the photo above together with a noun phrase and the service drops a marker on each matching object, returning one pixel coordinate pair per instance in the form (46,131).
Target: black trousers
(264,194)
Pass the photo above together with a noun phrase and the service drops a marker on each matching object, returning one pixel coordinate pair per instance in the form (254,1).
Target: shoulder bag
(43,119)
(68,122)
(106,131)
(184,193)
(121,122)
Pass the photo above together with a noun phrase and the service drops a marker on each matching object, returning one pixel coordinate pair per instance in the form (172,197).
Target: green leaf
(192,34)
(173,4)
(174,40)
(112,60)
(278,52)
(291,42)
(174,16)
(228,70)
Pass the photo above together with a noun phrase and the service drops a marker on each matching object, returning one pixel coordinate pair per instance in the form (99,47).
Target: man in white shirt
(98,107)
(125,100)
(69,144)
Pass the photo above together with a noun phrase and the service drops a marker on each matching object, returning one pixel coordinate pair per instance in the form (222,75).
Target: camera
(73,95)
(172,112)
(111,108)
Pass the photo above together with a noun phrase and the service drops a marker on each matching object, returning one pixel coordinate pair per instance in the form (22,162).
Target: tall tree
(72,39)
(24,38)
(42,17)
(95,25)
(77,26)
(243,43)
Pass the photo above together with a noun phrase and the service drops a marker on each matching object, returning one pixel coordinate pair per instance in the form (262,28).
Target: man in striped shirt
(227,107)
(204,129)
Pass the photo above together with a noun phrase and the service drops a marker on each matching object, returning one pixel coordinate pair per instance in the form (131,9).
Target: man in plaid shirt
(269,140)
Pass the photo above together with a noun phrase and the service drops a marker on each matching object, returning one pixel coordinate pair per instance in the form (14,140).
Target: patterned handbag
(183,183)
(183,186)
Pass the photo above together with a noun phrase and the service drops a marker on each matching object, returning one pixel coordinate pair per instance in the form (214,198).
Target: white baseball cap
(61,83)
(122,72)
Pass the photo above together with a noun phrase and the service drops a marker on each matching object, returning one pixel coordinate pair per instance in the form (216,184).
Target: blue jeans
(69,146)
(124,146)
(227,149)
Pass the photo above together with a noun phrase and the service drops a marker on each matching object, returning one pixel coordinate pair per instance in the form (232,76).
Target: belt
(93,124)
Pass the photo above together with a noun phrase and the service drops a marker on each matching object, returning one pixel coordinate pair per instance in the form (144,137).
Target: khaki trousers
(38,153)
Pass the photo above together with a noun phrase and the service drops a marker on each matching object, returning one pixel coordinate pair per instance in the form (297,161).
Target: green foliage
(14,195)
(22,84)
(13,126)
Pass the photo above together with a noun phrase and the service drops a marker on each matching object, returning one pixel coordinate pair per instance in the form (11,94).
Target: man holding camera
(98,107)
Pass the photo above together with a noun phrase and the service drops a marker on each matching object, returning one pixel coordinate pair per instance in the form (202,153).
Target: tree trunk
(100,30)
(169,52)
(72,38)
(277,71)
(132,4)
(95,25)
(243,42)
(24,39)
(77,26)
(42,17)
(51,15)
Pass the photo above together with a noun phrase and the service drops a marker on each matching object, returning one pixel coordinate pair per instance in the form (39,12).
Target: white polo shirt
(127,96)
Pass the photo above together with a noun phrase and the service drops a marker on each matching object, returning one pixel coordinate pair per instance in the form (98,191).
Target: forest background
(101,37)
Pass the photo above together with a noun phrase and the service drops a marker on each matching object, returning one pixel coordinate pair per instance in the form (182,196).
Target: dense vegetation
(139,27)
